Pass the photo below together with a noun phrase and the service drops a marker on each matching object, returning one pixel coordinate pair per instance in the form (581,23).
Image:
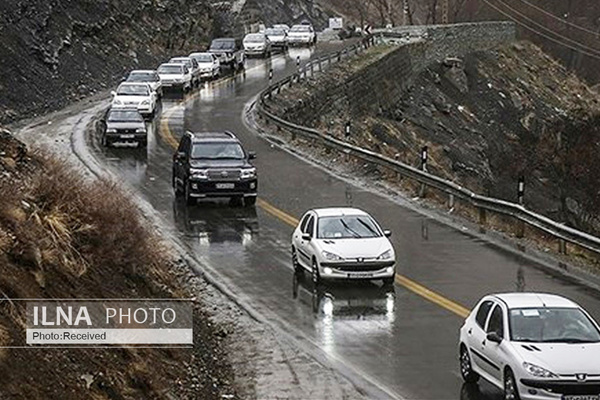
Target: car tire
(250,201)
(388,281)
(511,391)
(189,200)
(176,189)
(466,370)
(315,275)
(295,263)
(104,141)
(143,143)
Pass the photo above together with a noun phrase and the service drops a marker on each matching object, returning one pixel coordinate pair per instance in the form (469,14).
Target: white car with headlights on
(342,243)
(137,95)
(533,347)
(256,44)
(176,76)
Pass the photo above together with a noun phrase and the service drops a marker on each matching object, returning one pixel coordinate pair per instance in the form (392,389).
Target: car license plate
(225,185)
(360,275)
(127,136)
(581,397)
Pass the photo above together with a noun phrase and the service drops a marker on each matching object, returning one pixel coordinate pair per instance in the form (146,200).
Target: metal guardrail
(482,203)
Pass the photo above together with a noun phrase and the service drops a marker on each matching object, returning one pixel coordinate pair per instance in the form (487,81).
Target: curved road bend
(405,339)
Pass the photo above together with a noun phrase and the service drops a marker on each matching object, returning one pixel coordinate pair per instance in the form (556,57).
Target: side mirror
(180,155)
(113,93)
(306,236)
(387,233)
(251,155)
(494,337)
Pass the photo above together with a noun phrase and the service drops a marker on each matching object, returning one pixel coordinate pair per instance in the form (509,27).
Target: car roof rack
(212,135)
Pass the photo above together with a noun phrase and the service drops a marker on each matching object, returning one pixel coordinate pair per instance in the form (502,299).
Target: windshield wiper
(353,232)
(367,226)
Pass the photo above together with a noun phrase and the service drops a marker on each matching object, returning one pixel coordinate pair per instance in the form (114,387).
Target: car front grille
(359,266)
(224,174)
(126,130)
(565,387)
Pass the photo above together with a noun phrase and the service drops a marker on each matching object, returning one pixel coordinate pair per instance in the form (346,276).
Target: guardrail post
(521,190)
(424,229)
(298,62)
(329,60)
(320,65)
(339,56)
(451,202)
(482,219)
(270,75)
(562,246)
(424,151)
(347,129)
(312,69)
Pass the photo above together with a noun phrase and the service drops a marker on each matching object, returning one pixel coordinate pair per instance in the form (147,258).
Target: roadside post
(424,151)
(521,200)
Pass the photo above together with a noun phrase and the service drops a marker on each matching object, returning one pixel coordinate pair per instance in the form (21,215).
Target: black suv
(214,164)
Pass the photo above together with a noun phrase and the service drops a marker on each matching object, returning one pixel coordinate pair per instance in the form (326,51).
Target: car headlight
(199,173)
(248,173)
(330,256)
(386,255)
(145,102)
(111,130)
(538,371)
(141,130)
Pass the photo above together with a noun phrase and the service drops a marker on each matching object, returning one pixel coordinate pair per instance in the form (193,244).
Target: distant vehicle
(229,52)
(192,66)
(257,44)
(124,125)
(214,165)
(138,95)
(342,243)
(302,35)
(284,27)
(147,76)
(305,22)
(175,76)
(209,65)
(533,346)
(277,37)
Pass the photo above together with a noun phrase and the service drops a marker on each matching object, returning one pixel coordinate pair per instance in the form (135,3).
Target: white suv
(342,243)
(533,347)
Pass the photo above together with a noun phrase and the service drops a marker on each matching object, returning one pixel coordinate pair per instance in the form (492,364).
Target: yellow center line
(270,209)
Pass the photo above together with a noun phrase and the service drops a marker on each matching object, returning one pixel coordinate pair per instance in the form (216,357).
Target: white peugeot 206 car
(137,95)
(342,243)
(532,346)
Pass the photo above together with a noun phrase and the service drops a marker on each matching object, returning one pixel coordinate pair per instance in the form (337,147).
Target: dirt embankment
(52,53)
(65,237)
(488,118)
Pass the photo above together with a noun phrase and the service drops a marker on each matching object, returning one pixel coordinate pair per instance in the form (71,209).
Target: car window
(310,226)
(496,322)
(552,325)
(133,90)
(482,313)
(116,115)
(304,222)
(171,69)
(347,227)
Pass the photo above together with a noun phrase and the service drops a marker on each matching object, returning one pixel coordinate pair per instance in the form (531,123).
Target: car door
(297,235)
(495,353)
(476,335)
(305,252)
(179,168)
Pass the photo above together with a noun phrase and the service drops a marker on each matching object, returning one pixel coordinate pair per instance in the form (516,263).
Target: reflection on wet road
(393,337)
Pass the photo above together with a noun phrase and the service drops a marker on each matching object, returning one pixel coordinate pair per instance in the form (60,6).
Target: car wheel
(388,281)
(295,263)
(189,200)
(104,141)
(316,276)
(511,392)
(250,201)
(466,370)
(176,189)
(143,143)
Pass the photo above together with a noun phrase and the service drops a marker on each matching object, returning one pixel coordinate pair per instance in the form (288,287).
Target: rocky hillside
(488,118)
(52,52)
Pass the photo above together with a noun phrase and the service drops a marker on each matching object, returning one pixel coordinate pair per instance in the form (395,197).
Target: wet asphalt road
(397,339)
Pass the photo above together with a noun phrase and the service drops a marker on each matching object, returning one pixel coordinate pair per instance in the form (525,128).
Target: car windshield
(141,77)
(222,45)
(180,61)
(217,151)
(124,116)
(203,58)
(133,90)
(552,325)
(170,69)
(274,32)
(254,39)
(347,227)
(300,28)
